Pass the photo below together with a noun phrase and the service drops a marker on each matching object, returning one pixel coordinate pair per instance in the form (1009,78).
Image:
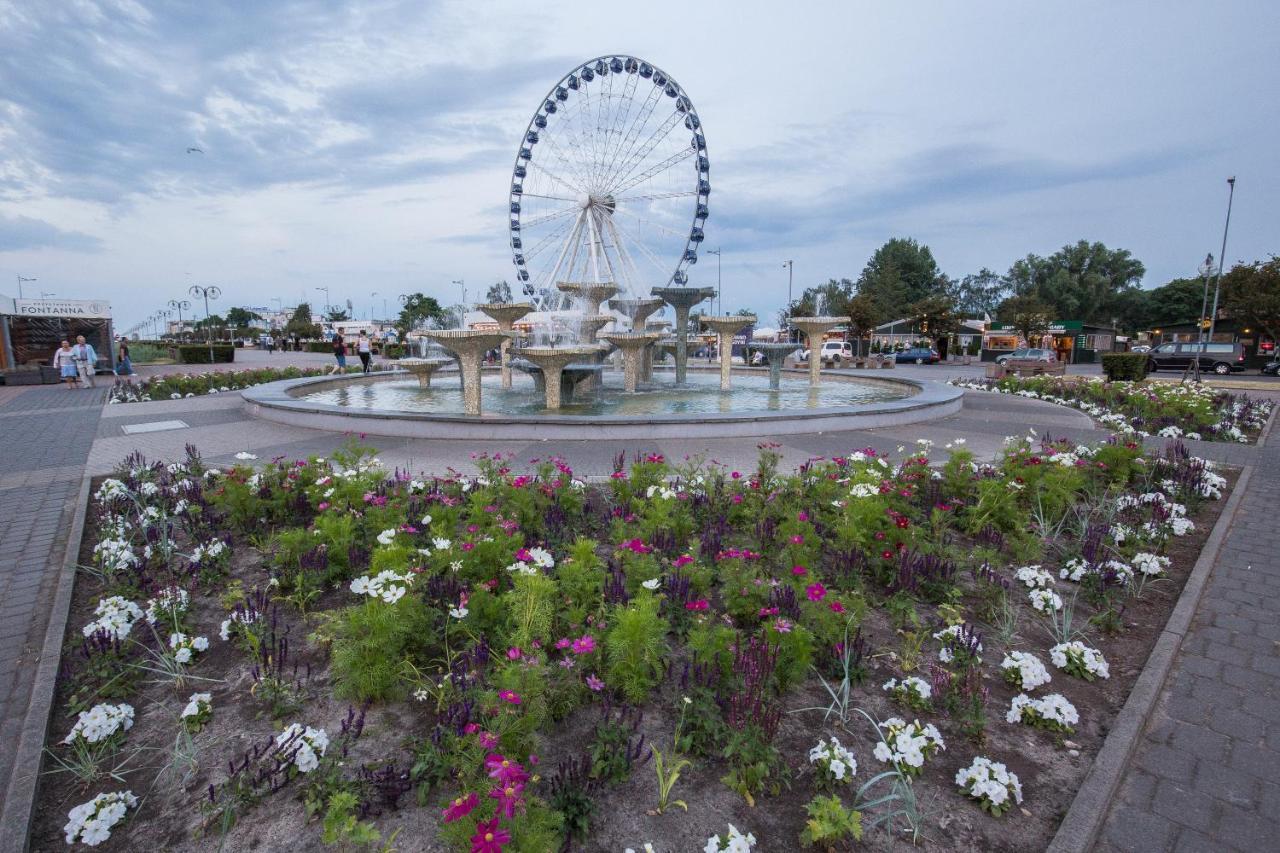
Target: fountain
(636,310)
(725,328)
(633,346)
(776,354)
(505,315)
(814,328)
(469,346)
(551,363)
(682,299)
(590,293)
(423,368)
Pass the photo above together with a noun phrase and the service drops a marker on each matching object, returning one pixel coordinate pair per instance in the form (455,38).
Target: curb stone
(18,806)
(1079,830)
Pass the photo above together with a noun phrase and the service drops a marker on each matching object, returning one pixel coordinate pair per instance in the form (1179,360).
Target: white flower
(101,722)
(1075,658)
(1045,600)
(387,585)
(1024,670)
(834,759)
(733,842)
(912,690)
(990,783)
(542,558)
(197,704)
(90,823)
(116,617)
(441,544)
(907,745)
(308,745)
(1150,564)
(385,537)
(426,520)
(1035,577)
(1052,712)
(458,612)
(245,456)
(651,584)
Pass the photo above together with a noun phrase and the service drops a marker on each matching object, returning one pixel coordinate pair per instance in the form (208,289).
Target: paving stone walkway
(1206,776)
(45,437)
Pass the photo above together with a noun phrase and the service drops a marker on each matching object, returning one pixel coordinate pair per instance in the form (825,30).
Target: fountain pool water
(700,395)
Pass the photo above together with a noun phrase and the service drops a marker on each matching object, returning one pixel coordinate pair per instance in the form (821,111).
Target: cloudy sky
(367,146)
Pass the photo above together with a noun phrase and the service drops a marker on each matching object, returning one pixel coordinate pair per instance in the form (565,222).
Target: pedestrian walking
(86,358)
(339,353)
(271,345)
(64,360)
(364,348)
(124,366)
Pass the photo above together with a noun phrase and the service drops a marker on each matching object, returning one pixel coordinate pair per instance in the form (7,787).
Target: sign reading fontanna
(86,308)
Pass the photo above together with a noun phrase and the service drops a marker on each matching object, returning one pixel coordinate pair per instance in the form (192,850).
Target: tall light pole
(326,299)
(719,298)
(1206,270)
(21,279)
(210,292)
(179,305)
(790,265)
(1217,285)
(463,285)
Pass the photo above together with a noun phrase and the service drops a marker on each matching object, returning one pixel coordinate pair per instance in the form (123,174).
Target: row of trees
(1082,281)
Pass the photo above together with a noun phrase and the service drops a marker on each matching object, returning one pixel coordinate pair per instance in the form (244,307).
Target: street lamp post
(210,292)
(461,283)
(326,299)
(790,265)
(179,305)
(1206,271)
(21,279)
(1217,285)
(719,298)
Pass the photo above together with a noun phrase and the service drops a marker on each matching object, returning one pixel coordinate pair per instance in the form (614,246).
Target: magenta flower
(489,838)
(524,556)
(836,606)
(514,653)
(461,807)
(782,626)
(816,591)
(509,799)
(509,696)
(736,499)
(700,604)
(595,683)
(797,539)
(803,516)
(323,506)
(504,770)
(487,740)
(682,560)
(799,571)
(584,645)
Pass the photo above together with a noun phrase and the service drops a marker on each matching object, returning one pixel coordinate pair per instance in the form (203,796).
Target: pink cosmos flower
(584,645)
(735,475)
(510,696)
(736,499)
(799,571)
(595,683)
(323,506)
(700,604)
(524,556)
(816,591)
(768,611)
(797,539)
(504,770)
(487,740)
(782,626)
(467,546)
(514,653)
(470,728)
(836,606)
(461,807)
(509,799)
(563,643)
(489,837)
(803,516)
(682,560)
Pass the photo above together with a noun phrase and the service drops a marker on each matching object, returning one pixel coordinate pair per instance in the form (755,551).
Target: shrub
(636,645)
(1119,366)
(370,642)
(199,354)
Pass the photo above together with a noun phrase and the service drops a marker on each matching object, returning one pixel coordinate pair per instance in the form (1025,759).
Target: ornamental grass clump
(991,784)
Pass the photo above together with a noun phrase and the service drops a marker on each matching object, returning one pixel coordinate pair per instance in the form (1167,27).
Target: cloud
(18,233)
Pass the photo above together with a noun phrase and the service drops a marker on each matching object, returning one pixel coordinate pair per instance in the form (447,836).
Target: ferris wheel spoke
(571,164)
(642,152)
(551,197)
(632,135)
(657,196)
(548,217)
(653,171)
(549,240)
(619,125)
(554,176)
(632,274)
(664,268)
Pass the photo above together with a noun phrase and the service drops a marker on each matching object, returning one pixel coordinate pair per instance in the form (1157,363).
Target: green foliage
(1124,366)
(341,826)
(300,324)
(830,823)
(370,641)
(1084,281)
(755,765)
(199,353)
(668,770)
(635,648)
(532,604)
(1251,292)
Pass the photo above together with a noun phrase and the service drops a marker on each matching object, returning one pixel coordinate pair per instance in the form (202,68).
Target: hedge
(1124,366)
(394,350)
(318,346)
(199,353)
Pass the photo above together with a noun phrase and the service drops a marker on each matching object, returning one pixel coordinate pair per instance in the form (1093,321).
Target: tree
(1179,301)
(215,321)
(900,272)
(1029,315)
(337,315)
(417,310)
(241,317)
(978,293)
(827,299)
(499,292)
(864,316)
(300,324)
(1080,282)
(935,314)
(1251,293)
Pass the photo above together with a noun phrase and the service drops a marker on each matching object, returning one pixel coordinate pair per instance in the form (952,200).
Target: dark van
(1218,357)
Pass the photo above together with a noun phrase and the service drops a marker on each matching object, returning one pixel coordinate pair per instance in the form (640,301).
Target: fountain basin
(314,403)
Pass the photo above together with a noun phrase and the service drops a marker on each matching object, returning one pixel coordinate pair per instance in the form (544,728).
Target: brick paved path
(45,437)
(1206,776)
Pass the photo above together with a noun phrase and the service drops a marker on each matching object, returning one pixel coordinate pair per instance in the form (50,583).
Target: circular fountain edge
(278,402)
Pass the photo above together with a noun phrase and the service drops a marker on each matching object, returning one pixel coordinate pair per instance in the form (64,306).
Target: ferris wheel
(611,183)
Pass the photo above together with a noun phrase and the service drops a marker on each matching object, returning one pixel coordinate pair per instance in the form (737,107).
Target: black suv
(1218,357)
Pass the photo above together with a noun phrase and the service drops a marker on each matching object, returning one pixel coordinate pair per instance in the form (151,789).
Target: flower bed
(175,386)
(320,652)
(1170,410)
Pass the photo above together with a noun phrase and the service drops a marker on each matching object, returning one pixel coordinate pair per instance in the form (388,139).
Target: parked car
(1221,358)
(1028,354)
(918,355)
(1271,368)
(1140,348)
(832,352)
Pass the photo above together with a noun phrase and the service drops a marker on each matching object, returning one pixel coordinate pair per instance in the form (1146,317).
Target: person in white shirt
(86,359)
(365,349)
(64,361)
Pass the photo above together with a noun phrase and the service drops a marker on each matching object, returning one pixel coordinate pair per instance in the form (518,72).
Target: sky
(367,147)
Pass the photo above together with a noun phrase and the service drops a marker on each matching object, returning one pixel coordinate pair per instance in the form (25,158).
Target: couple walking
(76,362)
(364,347)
